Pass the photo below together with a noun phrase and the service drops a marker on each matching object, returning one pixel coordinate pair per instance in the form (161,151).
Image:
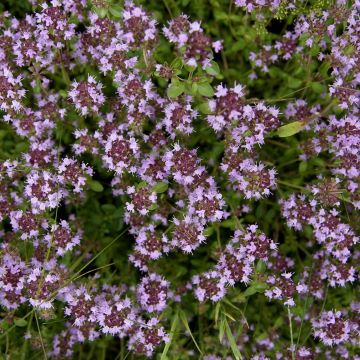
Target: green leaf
(260,287)
(20,322)
(290,129)
(172,331)
(101,12)
(37,87)
(141,185)
(205,89)
(208,231)
(187,327)
(21,147)
(153,207)
(108,208)
(4,325)
(189,68)
(175,89)
(303,167)
(160,187)
(239,298)
(276,73)
(204,108)
(256,287)
(250,291)
(294,83)
(314,51)
(324,68)
(177,64)
(229,223)
(116,11)
(194,88)
(65,75)
(261,266)
(232,341)
(213,69)
(317,87)
(95,185)
(279,322)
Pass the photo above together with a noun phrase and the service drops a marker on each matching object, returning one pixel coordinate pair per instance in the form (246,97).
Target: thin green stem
(304,310)
(285,183)
(40,335)
(217,229)
(324,302)
(291,334)
(168,8)
(278,143)
(145,58)
(24,346)
(7,345)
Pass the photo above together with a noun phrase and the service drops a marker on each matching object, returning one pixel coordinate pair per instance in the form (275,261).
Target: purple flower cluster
(235,264)
(252,5)
(191,41)
(87,96)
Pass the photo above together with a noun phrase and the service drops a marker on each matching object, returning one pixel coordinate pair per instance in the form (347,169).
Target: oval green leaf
(213,69)
(204,108)
(160,187)
(290,129)
(95,185)
(205,89)
(20,322)
(175,90)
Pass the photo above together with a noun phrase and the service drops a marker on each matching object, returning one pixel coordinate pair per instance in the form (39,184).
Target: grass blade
(222,328)
(172,331)
(233,345)
(229,316)
(186,324)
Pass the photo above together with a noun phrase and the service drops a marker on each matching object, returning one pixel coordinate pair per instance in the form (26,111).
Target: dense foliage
(179,179)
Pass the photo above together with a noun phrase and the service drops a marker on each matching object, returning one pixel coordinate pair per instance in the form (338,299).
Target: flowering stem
(290,185)
(41,338)
(65,75)
(291,335)
(287,163)
(145,58)
(304,311)
(200,310)
(96,256)
(94,270)
(218,237)
(7,345)
(168,8)
(24,346)
(326,293)
(278,143)
(238,223)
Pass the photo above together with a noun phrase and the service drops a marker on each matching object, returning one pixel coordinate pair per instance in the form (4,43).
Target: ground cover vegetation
(179,179)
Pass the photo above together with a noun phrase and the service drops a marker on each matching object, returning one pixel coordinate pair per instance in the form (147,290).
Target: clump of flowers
(152,293)
(87,96)
(331,328)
